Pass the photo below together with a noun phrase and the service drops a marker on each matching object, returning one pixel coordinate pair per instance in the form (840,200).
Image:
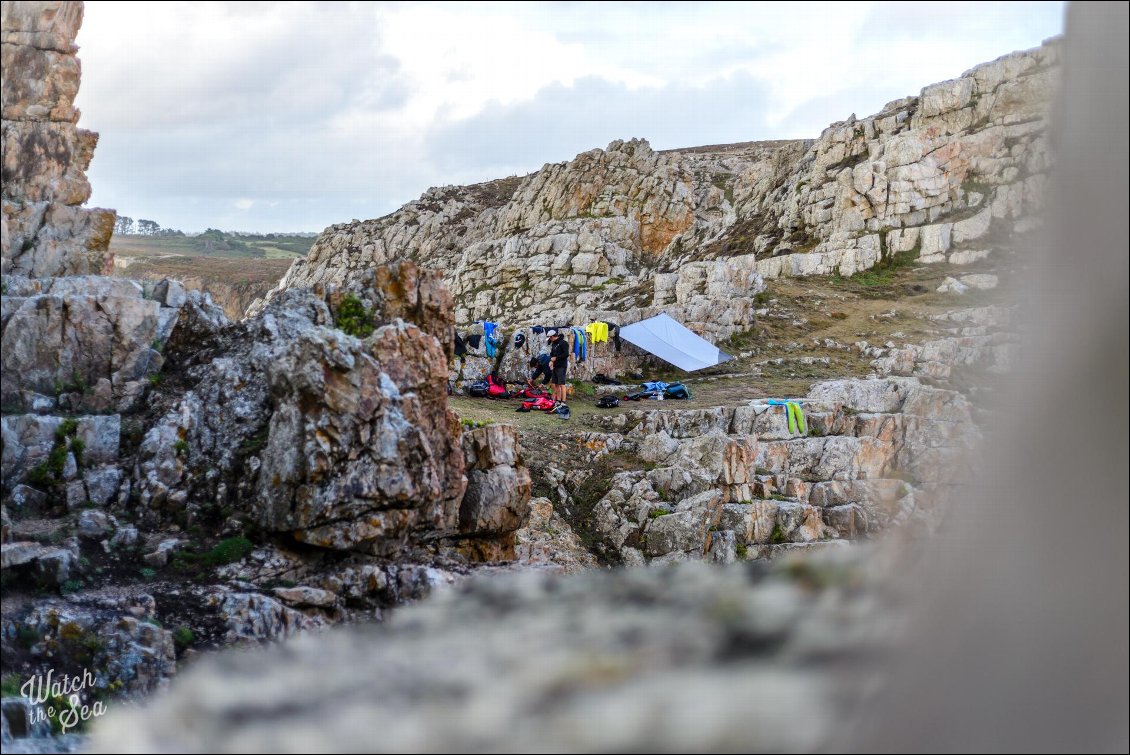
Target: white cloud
(322,112)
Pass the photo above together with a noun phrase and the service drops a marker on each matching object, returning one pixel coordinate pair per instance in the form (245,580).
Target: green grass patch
(253,444)
(225,552)
(71,586)
(183,638)
(50,471)
(882,273)
(77,384)
(582,388)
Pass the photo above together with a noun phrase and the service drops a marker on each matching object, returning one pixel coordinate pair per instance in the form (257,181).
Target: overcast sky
(291,116)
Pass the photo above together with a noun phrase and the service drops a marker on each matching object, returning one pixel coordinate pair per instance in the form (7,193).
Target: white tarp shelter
(669,340)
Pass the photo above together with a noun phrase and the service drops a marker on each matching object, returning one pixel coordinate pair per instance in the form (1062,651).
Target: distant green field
(214,244)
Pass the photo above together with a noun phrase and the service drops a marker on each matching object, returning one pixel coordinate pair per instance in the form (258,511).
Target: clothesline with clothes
(532,339)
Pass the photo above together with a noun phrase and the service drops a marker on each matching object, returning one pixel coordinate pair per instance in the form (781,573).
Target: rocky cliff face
(625,232)
(46,231)
(342,441)
(166,469)
(733,483)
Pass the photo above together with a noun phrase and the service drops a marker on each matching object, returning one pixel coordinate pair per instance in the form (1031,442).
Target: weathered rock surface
(341,442)
(338,440)
(29,440)
(84,343)
(44,230)
(978,338)
(625,232)
(252,618)
(45,565)
(741,470)
(496,503)
(548,541)
(117,638)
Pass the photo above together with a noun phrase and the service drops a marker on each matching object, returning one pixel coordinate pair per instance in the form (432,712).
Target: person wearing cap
(558,363)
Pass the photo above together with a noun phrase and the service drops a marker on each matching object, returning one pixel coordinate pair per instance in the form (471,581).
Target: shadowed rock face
(45,230)
(497,502)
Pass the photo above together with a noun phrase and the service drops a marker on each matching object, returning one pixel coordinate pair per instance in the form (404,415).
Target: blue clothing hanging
(580,344)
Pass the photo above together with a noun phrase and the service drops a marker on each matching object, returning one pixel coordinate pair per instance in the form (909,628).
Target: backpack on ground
(608,402)
(496,388)
(562,411)
(539,404)
(478,389)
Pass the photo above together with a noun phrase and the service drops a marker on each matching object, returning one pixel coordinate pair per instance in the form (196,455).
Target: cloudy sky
(290,116)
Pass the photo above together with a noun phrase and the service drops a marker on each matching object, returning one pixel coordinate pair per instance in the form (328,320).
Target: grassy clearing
(213,244)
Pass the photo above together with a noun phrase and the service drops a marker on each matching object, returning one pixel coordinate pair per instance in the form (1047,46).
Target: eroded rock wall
(45,229)
(342,441)
(623,233)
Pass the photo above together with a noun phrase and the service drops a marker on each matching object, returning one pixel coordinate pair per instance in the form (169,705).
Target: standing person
(558,363)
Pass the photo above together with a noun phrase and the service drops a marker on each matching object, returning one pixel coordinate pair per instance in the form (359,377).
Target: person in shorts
(558,363)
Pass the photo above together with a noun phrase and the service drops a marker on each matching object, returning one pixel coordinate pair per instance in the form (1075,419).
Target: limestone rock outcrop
(878,453)
(85,343)
(622,233)
(44,230)
(117,637)
(547,541)
(343,441)
(496,503)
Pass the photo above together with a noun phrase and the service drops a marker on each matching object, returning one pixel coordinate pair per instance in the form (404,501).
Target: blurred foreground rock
(676,658)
